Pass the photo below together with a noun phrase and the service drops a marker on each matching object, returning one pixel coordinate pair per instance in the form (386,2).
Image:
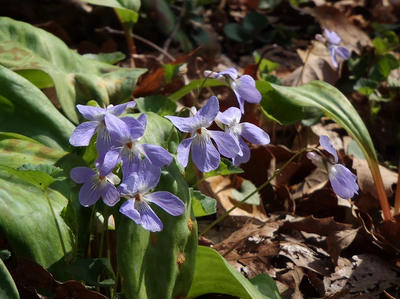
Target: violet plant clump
(203,152)
(343,181)
(230,121)
(333,40)
(243,86)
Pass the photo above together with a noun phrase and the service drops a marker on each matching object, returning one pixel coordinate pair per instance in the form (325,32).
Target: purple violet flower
(125,135)
(136,188)
(333,41)
(230,118)
(95,185)
(343,181)
(244,86)
(204,154)
(96,124)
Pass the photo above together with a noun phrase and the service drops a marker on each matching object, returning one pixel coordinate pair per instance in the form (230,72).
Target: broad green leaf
(8,289)
(265,284)
(236,32)
(25,216)
(195,84)
(245,189)
(26,110)
(384,65)
(277,107)
(77,79)
(323,96)
(127,10)
(225,168)
(158,265)
(157,104)
(203,205)
(213,274)
(385,42)
(111,58)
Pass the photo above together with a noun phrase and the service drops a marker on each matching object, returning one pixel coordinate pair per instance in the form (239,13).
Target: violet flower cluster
(342,180)
(332,40)
(117,143)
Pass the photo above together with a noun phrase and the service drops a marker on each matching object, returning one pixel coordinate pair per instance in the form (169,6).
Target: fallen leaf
(340,240)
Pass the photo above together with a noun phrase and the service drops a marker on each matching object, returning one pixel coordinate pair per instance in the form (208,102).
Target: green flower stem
(57,224)
(266,183)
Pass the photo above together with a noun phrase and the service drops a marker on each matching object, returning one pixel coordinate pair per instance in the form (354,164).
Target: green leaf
(213,274)
(8,289)
(111,58)
(195,84)
(26,110)
(225,168)
(236,32)
(246,188)
(158,104)
(384,65)
(277,107)
(203,205)
(329,100)
(265,284)
(254,21)
(127,9)
(77,79)
(171,70)
(385,42)
(366,86)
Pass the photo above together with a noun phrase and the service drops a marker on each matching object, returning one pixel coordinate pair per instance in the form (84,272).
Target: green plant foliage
(110,58)
(225,168)
(383,66)
(195,84)
(8,289)
(26,110)
(385,42)
(246,188)
(250,28)
(203,205)
(320,95)
(127,10)
(76,79)
(157,104)
(213,274)
(159,265)
(366,86)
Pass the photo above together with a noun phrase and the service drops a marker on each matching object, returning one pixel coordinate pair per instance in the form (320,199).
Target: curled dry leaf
(365,181)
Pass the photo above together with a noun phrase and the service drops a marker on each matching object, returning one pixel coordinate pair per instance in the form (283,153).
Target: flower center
(101,178)
(129,145)
(138,197)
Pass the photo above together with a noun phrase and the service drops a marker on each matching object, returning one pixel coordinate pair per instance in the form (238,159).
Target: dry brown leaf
(340,240)
(365,181)
(221,188)
(292,279)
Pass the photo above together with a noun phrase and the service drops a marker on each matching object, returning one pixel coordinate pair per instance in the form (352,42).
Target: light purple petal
(158,156)
(332,52)
(204,155)
(110,195)
(231,72)
(128,209)
(226,144)
(142,119)
(111,159)
(91,113)
(83,133)
(246,88)
(343,52)
(254,134)
(183,124)
(148,219)
(208,112)
(343,181)
(103,143)
(148,176)
(135,127)
(167,201)
(90,193)
(245,154)
(130,164)
(240,101)
(81,175)
(183,151)
(230,116)
(117,128)
(332,37)
(119,109)
(327,145)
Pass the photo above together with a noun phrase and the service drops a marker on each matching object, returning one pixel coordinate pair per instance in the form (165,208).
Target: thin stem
(238,203)
(57,224)
(105,228)
(90,226)
(380,188)
(397,196)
